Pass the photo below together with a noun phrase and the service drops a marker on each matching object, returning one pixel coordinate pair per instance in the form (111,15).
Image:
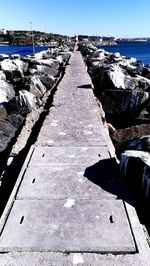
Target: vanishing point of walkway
(66,207)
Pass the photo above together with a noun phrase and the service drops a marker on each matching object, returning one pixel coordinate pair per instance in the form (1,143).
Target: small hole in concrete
(99,155)
(111,219)
(33,181)
(43,155)
(21,220)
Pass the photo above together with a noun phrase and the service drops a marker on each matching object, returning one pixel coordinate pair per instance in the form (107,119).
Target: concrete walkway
(66,207)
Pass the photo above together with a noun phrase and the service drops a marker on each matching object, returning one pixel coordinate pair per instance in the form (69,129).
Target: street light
(32,39)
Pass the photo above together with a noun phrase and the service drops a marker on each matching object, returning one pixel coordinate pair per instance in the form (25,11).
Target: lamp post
(32,39)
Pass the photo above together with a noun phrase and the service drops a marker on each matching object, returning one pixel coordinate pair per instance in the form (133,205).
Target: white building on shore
(3,31)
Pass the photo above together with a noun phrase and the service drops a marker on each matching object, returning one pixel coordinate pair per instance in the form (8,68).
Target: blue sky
(121,18)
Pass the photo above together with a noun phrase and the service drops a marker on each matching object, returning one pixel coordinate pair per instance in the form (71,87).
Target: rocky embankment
(123,87)
(24,82)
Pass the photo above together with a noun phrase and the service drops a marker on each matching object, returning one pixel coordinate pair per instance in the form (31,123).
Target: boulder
(125,103)
(116,57)
(4,56)
(135,174)
(13,76)
(21,66)
(65,55)
(138,144)
(7,132)
(36,87)
(3,112)
(146,72)
(59,58)
(11,65)
(41,54)
(2,76)
(46,70)
(15,56)
(129,133)
(23,103)
(15,119)
(50,62)
(48,81)
(6,91)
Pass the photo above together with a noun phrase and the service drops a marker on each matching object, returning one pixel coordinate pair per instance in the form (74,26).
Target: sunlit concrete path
(66,207)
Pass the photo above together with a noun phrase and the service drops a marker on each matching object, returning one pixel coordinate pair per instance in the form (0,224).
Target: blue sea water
(139,50)
(22,50)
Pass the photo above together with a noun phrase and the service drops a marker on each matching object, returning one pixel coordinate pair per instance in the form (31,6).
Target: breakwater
(68,186)
(27,86)
(122,85)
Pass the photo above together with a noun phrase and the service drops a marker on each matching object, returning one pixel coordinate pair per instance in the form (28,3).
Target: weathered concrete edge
(138,233)
(100,109)
(11,200)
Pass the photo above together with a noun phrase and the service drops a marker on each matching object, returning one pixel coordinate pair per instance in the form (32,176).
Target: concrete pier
(66,207)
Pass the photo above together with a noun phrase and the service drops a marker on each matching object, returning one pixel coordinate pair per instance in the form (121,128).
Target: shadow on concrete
(106,174)
(86,86)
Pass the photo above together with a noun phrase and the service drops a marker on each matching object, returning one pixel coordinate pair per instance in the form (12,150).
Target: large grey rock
(138,144)
(135,172)
(50,62)
(13,76)
(3,113)
(65,55)
(7,132)
(46,70)
(129,102)
(23,103)
(6,91)
(48,81)
(36,87)
(17,64)
(2,76)
(15,119)
(4,56)
(129,133)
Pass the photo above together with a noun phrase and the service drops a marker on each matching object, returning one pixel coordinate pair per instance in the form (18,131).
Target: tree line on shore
(25,38)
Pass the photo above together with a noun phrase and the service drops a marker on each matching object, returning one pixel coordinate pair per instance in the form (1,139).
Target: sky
(120,18)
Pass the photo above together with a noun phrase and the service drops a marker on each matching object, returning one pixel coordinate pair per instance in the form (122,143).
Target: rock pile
(23,83)
(123,86)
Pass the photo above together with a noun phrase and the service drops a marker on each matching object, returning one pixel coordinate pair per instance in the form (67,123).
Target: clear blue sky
(121,18)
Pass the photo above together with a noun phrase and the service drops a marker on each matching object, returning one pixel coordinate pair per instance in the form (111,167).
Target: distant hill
(22,37)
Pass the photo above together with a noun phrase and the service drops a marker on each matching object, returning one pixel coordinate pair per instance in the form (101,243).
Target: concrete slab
(68,226)
(86,156)
(65,181)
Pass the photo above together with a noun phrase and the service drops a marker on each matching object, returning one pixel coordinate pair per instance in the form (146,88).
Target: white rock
(69,203)
(4,56)
(15,56)
(6,91)
(50,62)
(78,259)
(117,77)
(11,65)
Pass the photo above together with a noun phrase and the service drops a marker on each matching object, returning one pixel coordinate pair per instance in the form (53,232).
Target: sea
(22,50)
(138,50)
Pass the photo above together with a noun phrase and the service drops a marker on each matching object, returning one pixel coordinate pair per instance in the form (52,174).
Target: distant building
(3,32)
(109,39)
(83,38)
(95,39)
